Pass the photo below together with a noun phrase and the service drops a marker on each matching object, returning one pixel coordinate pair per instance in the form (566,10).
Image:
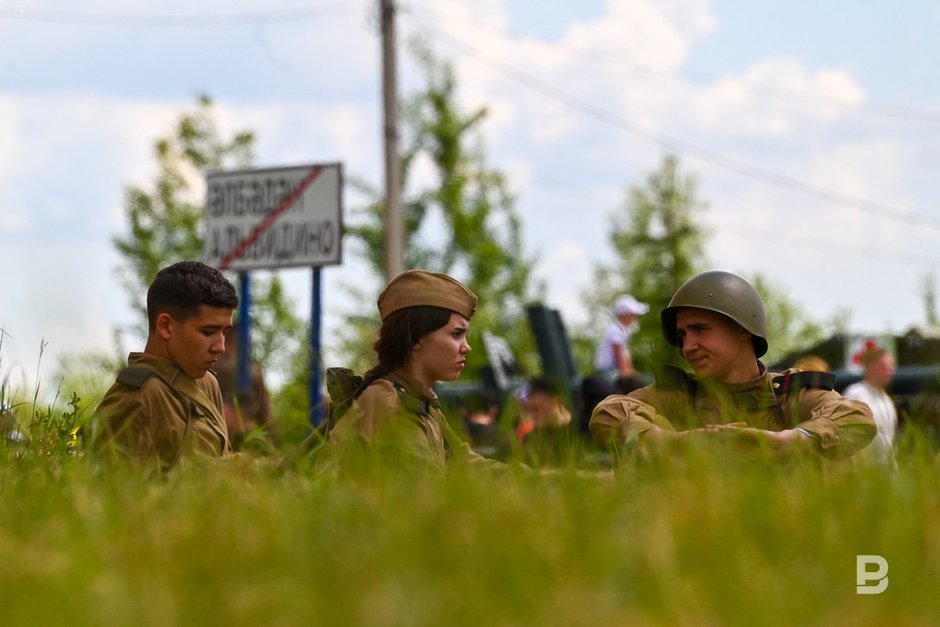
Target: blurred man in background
(247,412)
(878,369)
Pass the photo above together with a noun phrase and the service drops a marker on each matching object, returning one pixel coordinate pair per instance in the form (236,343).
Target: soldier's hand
(778,442)
(731,426)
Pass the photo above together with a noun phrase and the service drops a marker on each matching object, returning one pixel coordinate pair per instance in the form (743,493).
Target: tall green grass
(702,538)
(705,539)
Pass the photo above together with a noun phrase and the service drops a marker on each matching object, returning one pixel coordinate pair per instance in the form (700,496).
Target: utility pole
(394,224)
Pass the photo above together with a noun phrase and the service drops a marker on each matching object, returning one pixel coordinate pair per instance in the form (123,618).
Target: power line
(877,109)
(789,239)
(164,20)
(679,146)
(763,90)
(774,237)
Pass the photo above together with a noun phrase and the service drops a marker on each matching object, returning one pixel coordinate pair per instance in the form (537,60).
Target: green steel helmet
(724,293)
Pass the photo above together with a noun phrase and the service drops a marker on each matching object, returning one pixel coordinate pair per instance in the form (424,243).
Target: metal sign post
(243,364)
(316,363)
(276,218)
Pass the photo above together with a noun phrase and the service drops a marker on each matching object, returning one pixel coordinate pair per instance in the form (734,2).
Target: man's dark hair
(181,288)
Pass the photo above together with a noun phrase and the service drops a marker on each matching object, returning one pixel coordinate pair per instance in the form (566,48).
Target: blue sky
(813,129)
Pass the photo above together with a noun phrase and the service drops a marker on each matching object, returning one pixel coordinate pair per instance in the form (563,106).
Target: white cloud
(84,141)
(563,256)
(64,300)
(565,269)
(773,98)
(68,152)
(637,31)
(13,220)
(518,172)
(694,18)
(11,113)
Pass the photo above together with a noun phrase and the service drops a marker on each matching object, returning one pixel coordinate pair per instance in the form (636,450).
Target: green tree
(464,224)
(166,225)
(166,220)
(788,327)
(658,245)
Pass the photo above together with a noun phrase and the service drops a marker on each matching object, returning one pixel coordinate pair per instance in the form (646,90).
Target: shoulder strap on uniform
(135,376)
(673,378)
(800,379)
(342,384)
(412,403)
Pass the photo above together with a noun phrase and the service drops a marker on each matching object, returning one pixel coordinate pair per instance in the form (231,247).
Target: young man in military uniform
(167,402)
(717,321)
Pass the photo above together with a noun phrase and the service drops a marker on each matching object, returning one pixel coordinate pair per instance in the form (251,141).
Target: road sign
(274,217)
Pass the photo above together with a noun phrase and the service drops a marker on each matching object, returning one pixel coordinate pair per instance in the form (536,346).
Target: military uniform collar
(412,386)
(757,383)
(175,377)
(752,395)
(672,377)
(162,365)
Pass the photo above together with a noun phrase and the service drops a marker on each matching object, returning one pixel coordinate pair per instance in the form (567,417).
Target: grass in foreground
(702,541)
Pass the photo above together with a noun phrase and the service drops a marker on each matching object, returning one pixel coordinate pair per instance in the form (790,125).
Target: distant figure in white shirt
(878,369)
(613,366)
(612,353)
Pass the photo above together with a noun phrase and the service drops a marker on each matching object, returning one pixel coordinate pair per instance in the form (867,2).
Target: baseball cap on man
(627,304)
(413,288)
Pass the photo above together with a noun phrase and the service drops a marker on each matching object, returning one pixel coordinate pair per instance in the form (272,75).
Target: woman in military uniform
(422,340)
(717,321)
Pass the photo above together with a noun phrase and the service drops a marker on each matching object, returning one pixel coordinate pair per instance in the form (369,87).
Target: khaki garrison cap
(420,287)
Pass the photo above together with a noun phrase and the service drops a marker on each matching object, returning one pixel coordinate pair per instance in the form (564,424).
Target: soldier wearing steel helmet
(717,321)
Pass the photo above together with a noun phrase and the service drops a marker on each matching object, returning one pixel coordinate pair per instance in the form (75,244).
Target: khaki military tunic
(160,422)
(771,401)
(399,418)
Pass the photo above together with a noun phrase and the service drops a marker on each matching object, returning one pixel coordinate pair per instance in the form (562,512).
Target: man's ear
(164,325)
(747,337)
